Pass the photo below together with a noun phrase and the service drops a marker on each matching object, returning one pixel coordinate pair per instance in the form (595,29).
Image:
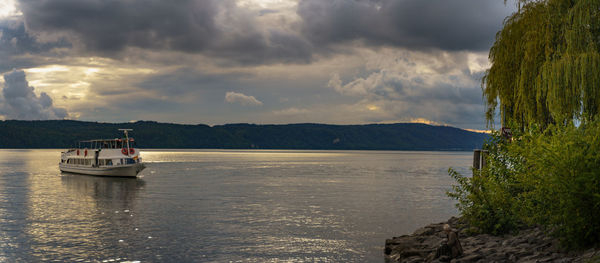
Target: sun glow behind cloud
(72,86)
(382,63)
(8,8)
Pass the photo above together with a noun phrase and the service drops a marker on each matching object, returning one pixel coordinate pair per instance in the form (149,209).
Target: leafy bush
(563,181)
(549,178)
(487,199)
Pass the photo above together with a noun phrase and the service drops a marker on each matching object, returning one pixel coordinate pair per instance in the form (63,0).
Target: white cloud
(434,87)
(234,97)
(20,102)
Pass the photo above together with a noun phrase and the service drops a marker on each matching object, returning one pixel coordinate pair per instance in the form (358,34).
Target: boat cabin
(107,144)
(103,153)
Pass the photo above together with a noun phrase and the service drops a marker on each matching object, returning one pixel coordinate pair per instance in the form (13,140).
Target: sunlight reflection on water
(215,206)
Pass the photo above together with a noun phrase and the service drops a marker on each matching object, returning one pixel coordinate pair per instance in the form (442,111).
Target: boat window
(109,162)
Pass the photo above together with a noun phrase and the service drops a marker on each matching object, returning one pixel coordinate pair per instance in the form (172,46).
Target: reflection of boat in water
(104,157)
(105,188)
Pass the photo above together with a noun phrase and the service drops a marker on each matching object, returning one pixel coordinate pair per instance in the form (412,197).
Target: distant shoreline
(307,136)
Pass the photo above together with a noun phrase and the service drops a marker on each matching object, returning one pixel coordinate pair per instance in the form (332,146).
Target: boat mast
(126,138)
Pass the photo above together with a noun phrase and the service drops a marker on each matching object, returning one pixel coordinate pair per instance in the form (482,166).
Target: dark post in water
(479,159)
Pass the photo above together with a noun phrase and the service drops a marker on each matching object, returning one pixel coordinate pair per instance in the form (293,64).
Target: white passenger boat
(104,157)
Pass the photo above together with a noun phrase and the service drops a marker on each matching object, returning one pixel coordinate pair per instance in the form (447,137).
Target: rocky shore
(530,245)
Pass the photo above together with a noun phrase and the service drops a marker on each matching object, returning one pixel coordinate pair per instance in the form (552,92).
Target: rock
(488,251)
(412,253)
(387,250)
(469,258)
(424,231)
(444,259)
(530,245)
(415,259)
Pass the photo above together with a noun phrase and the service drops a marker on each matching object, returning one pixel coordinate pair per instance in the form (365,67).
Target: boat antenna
(126,138)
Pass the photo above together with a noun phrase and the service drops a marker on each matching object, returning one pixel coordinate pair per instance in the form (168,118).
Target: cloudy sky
(251,61)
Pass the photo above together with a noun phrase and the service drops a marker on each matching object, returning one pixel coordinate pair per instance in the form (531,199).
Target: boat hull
(130,170)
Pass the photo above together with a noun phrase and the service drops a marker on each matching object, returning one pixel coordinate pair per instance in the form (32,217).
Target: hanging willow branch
(546,64)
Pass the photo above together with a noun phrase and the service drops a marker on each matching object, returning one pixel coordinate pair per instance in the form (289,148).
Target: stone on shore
(530,245)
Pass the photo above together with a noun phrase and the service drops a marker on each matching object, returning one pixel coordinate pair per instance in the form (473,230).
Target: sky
(248,61)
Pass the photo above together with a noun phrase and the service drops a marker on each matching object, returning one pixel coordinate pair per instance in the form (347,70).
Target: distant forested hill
(149,134)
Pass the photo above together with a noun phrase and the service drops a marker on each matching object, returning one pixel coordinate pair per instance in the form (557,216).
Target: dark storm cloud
(414,24)
(182,82)
(112,25)
(16,41)
(20,102)
(215,27)
(220,28)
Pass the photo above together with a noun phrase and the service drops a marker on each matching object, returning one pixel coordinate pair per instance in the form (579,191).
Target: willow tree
(546,64)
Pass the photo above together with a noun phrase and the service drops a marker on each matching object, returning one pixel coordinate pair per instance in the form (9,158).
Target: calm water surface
(222,206)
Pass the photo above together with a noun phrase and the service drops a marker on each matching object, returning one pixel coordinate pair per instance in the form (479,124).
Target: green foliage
(401,136)
(549,178)
(487,199)
(544,77)
(563,181)
(546,64)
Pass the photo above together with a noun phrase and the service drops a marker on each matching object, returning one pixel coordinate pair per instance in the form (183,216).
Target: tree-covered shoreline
(150,134)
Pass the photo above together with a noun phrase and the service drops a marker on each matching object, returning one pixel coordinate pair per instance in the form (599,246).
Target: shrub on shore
(549,178)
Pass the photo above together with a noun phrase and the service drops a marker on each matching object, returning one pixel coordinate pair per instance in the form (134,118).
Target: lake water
(223,206)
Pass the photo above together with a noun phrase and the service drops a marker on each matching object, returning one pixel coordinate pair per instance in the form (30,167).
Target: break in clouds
(319,59)
(18,100)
